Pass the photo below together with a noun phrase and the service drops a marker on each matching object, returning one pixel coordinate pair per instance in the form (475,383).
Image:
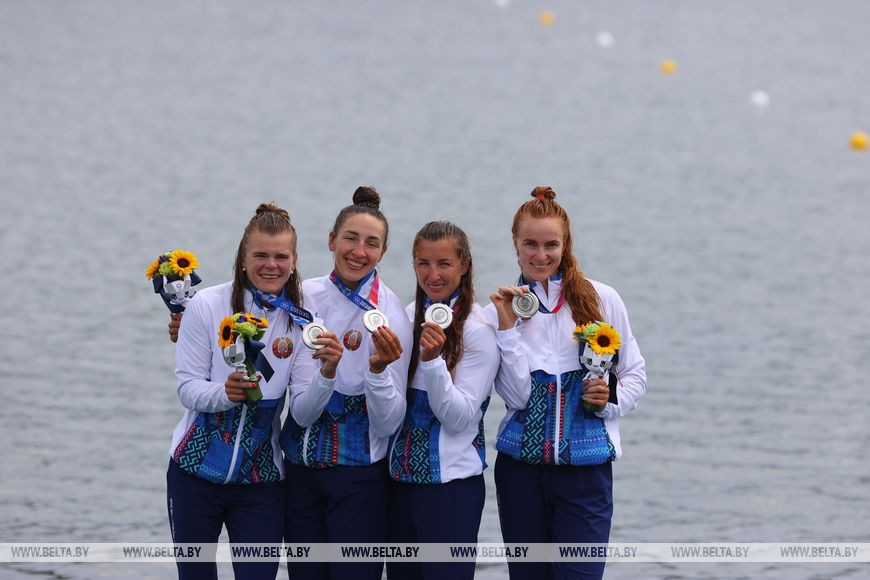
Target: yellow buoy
(668,67)
(858,141)
(546,18)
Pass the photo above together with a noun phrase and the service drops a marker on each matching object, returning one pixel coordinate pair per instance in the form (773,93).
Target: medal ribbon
(359,301)
(451,301)
(254,353)
(541,308)
(270,302)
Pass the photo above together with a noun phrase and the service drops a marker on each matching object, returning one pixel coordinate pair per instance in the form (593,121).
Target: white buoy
(759,99)
(502,3)
(604,39)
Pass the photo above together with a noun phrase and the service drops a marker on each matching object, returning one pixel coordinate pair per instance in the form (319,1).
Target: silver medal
(310,332)
(373,319)
(525,305)
(440,314)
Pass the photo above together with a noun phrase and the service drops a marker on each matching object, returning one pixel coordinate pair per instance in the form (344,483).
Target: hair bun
(366,196)
(265,208)
(544,192)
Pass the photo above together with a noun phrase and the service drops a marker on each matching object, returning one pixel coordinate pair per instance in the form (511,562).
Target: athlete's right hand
(502,300)
(329,355)
(236,385)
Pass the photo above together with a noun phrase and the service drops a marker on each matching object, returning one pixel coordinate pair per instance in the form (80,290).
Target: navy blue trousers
(336,504)
(549,503)
(439,513)
(198,509)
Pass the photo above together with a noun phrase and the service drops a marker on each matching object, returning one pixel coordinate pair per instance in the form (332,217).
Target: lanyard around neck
(359,301)
(271,302)
(452,301)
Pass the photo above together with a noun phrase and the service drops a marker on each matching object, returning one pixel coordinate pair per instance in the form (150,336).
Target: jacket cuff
(379,380)
(608,412)
(508,337)
(322,382)
(435,363)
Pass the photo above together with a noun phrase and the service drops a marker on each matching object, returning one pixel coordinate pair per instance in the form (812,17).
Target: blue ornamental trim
(415,457)
(529,434)
(206,450)
(340,436)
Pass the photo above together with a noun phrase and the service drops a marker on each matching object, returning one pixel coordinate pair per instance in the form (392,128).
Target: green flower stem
(255,394)
(592,408)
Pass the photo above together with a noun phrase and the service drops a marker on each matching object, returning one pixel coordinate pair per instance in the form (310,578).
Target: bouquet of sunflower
(601,344)
(173,276)
(239,340)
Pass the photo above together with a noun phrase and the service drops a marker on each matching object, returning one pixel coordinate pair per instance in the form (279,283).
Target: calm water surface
(736,236)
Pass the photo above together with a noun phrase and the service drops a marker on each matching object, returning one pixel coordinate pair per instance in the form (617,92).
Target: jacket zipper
(558,402)
(238,442)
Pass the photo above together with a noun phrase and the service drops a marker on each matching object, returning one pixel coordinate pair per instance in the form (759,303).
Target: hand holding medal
(525,305)
(436,319)
(388,349)
(432,340)
(374,319)
(439,314)
(327,349)
(504,301)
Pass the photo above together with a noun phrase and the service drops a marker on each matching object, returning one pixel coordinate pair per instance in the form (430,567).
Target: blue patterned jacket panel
(208,446)
(530,434)
(414,456)
(340,436)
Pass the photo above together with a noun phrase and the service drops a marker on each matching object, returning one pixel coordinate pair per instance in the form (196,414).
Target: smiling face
(439,268)
(357,247)
(539,243)
(269,260)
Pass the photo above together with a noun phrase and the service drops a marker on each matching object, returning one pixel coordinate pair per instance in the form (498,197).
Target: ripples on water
(736,237)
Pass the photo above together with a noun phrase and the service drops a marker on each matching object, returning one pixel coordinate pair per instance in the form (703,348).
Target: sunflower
(152,269)
(225,334)
(257,320)
(606,340)
(183,262)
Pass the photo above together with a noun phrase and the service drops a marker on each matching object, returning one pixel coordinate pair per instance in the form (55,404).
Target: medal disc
(525,305)
(440,314)
(373,319)
(311,331)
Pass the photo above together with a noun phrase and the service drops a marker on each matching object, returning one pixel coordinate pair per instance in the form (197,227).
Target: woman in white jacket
(336,436)
(225,464)
(437,457)
(553,470)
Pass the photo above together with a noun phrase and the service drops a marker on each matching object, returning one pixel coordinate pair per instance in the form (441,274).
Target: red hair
(580,295)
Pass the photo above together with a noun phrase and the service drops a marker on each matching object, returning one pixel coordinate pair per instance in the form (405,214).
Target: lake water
(736,235)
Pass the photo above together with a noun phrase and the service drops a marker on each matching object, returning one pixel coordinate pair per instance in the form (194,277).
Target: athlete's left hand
(431,341)
(596,392)
(387,349)
(174,325)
